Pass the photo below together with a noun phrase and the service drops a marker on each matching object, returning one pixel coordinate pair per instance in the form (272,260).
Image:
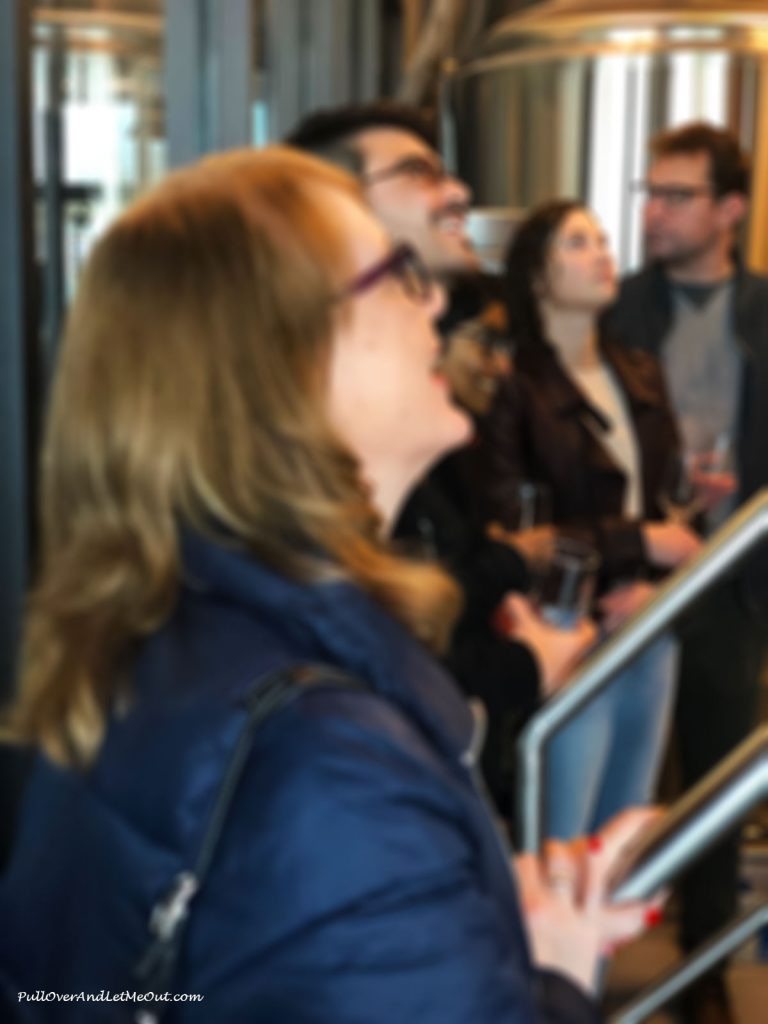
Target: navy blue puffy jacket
(359,877)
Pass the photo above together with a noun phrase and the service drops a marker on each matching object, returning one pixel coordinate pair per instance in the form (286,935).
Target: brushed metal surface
(562,99)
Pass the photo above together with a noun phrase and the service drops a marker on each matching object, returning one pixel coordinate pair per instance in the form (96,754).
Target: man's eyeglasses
(430,171)
(672,195)
(405,265)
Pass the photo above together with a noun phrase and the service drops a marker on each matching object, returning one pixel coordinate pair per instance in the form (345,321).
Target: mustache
(454,209)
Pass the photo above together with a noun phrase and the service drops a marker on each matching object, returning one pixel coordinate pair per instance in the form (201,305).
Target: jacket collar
(541,363)
(748,290)
(634,370)
(637,372)
(337,623)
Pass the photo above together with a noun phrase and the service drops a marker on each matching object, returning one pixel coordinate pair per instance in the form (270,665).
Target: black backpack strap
(168,919)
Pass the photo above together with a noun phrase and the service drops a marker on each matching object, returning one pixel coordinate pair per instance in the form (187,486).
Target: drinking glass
(565,587)
(531,506)
(679,498)
(713,472)
(697,481)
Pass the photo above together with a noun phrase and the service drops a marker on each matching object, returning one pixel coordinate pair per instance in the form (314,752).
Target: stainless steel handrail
(696,821)
(726,941)
(707,811)
(739,535)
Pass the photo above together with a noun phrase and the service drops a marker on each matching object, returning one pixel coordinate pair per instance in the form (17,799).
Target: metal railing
(689,828)
(742,532)
(693,967)
(711,808)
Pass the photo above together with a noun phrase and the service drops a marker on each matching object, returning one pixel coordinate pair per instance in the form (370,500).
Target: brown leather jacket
(542,428)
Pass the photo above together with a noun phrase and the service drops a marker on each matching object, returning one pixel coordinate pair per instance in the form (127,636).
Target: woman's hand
(670,544)
(598,857)
(712,486)
(561,937)
(536,544)
(565,897)
(623,602)
(557,650)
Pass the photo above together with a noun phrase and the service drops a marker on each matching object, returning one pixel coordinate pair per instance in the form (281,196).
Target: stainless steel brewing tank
(562,100)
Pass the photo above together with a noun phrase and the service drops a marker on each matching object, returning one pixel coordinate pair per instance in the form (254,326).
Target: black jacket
(543,428)
(440,521)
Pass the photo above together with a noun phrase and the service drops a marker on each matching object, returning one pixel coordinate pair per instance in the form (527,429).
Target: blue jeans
(608,757)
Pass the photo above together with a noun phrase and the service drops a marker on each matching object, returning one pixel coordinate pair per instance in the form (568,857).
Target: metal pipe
(697,820)
(733,540)
(19,352)
(562,97)
(680,977)
(184,82)
(53,199)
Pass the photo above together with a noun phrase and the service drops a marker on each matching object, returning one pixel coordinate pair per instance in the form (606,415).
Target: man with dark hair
(331,133)
(728,166)
(706,316)
(392,149)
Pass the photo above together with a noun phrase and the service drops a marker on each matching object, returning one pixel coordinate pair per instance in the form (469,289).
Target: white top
(601,390)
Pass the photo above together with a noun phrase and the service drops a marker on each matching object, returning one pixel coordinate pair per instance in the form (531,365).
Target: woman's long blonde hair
(190,393)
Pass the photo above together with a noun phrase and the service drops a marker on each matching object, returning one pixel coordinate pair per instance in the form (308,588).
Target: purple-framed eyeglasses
(405,265)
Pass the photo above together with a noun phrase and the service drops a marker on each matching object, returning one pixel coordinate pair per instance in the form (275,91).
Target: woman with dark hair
(256,784)
(592,421)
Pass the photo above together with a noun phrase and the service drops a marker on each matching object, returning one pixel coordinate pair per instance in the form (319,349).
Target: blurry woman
(591,421)
(510,676)
(246,391)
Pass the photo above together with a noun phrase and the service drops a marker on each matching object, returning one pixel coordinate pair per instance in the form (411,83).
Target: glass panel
(261,128)
(98,129)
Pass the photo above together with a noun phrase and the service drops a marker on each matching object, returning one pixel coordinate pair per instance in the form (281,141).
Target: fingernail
(503,622)
(653,917)
(594,844)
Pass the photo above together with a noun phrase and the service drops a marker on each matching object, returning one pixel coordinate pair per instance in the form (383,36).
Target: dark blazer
(543,428)
(642,317)
(359,877)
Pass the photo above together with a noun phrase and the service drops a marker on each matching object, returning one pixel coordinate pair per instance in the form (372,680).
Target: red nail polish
(653,917)
(594,844)
(502,622)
